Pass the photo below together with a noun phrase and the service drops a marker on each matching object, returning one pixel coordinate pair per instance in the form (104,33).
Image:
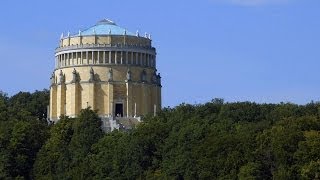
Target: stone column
(129,98)
(64,59)
(81,58)
(104,57)
(140,58)
(115,57)
(58,61)
(110,57)
(87,54)
(137,59)
(148,59)
(98,57)
(121,58)
(127,57)
(143,62)
(72,58)
(68,59)
(77,58)
(92,57)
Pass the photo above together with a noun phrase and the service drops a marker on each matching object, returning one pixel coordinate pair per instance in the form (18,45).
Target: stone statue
(52,79)
(74,76)
(154,77)
(144,76)
(91,75)
(61,77)
(159,79)
(110,75)
(128,75)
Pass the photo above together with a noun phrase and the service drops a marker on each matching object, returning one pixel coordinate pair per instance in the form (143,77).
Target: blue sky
(239,50)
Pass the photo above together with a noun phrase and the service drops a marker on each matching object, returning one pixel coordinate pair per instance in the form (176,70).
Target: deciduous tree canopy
(215,140)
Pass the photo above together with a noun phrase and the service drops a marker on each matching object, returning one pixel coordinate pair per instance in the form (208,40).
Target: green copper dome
(105,27)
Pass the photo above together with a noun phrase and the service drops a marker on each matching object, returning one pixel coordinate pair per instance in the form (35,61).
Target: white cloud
(253,2)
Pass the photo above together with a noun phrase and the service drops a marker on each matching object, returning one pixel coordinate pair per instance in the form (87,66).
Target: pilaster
(110,99)
(129,99)
(72,99)
(144,103)
(61,99)
(53,102)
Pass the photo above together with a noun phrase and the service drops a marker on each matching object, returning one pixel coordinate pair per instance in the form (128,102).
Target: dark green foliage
(22,134)
(215,140)
(65,153)
(36,103)
(54,156)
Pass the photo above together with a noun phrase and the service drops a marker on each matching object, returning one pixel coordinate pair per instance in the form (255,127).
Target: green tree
(3,106)
(308,155)
(36,103)
(53,160)
(86,132)
(250,171)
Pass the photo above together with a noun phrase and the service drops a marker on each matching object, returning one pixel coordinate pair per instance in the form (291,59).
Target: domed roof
(105,27)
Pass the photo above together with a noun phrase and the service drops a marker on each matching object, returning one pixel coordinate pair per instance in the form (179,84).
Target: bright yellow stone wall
(69,97)
(72,97)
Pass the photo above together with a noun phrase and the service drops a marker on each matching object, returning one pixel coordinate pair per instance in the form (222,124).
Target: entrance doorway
(119,109)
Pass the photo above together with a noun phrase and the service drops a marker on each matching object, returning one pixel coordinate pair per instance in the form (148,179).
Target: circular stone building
(108,69)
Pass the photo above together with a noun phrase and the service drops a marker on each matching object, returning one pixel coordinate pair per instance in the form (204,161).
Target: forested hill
(215,140)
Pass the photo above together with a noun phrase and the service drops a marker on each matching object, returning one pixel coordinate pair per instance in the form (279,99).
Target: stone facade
(113,74)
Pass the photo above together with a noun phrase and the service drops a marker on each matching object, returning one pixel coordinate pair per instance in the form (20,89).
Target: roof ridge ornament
(61,37)
(125,32)
(68,33)
(137,33)
(106,21)
(149,36)
(146,35)
(79,32)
